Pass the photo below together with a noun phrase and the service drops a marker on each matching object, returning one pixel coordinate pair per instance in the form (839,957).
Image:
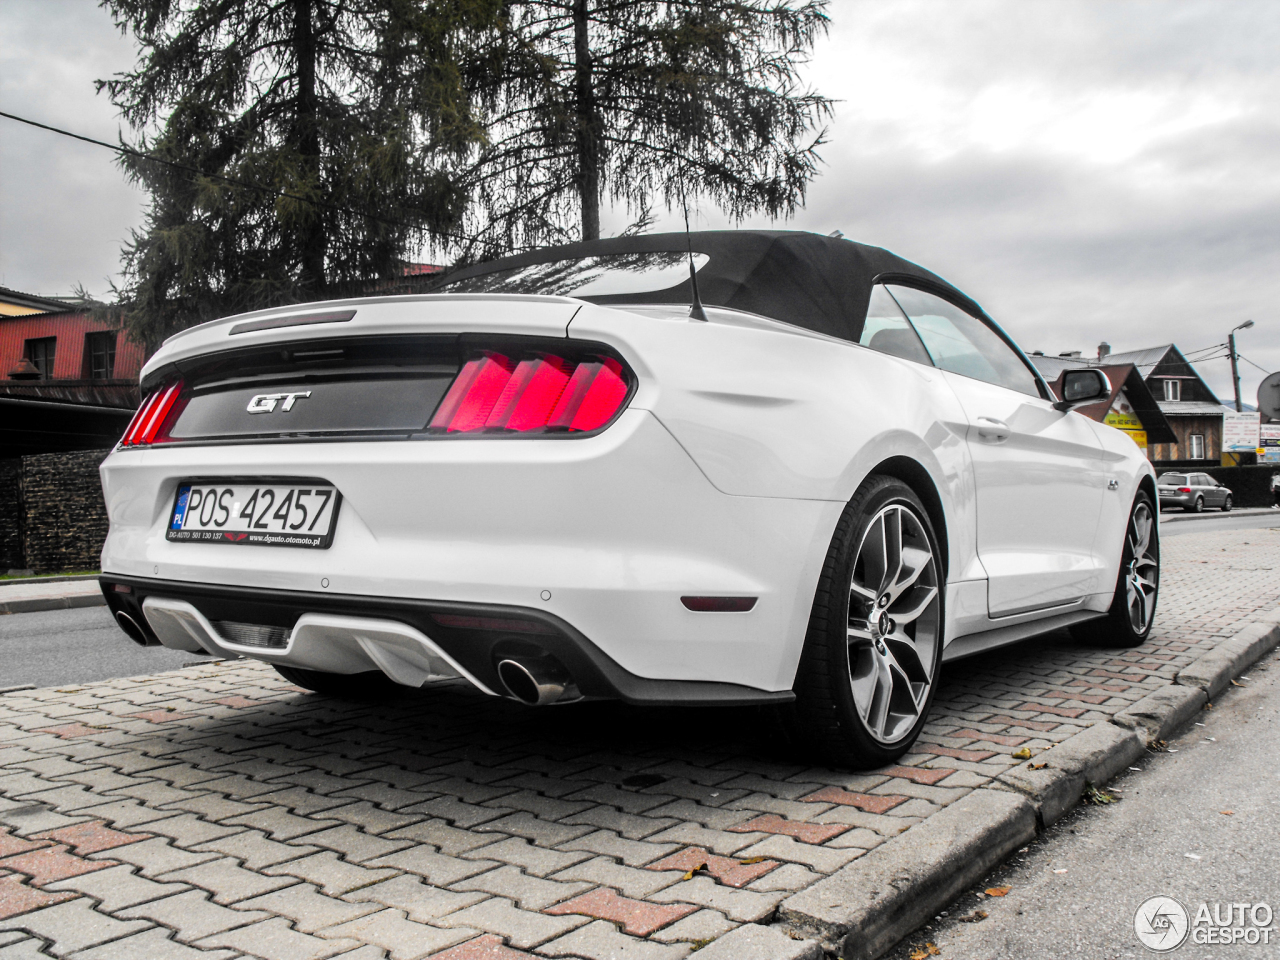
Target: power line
(1251,363)
(271,191)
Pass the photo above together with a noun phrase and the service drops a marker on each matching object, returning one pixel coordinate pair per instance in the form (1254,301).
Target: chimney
(1104,351)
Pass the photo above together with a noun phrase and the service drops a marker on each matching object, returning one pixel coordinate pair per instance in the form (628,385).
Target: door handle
(992,430)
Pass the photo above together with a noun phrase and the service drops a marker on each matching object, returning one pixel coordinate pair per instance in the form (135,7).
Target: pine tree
(307,143)
(641,102)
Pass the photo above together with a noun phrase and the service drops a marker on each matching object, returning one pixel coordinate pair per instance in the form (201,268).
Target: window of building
(40,353)
(100,355)
(1195,444)
(1173,391)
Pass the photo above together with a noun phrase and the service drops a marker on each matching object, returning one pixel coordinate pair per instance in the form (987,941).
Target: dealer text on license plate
(255,514)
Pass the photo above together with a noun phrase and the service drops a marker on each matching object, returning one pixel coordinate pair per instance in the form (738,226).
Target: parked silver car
(1193,492)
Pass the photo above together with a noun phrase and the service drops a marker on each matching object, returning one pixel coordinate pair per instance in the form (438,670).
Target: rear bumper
(606,534)
(351,634)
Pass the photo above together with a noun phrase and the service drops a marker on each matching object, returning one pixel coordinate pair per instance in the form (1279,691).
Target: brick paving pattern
(219,812)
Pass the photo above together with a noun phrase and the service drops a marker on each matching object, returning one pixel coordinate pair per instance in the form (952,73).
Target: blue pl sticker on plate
(180,511)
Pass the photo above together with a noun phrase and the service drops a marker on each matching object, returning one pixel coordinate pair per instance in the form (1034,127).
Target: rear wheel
(1133,610)
(1197,507)
(349,686)
(870,665)
(1226,504)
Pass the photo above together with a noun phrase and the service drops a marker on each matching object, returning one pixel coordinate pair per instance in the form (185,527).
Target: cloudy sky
(1087,171)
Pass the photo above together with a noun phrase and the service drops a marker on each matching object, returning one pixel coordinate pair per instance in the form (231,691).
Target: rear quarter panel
(769,410)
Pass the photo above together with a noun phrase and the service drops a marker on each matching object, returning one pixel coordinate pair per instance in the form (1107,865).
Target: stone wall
(52,514)
(11,555)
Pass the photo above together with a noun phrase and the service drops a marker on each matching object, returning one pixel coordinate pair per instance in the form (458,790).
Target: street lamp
(1235,370)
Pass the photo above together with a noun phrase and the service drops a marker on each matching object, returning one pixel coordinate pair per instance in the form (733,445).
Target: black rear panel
(344,387)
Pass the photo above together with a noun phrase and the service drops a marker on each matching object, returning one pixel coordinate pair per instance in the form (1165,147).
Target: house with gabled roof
(1193,410)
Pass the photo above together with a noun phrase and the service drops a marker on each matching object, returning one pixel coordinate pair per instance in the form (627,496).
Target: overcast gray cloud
(1087,170)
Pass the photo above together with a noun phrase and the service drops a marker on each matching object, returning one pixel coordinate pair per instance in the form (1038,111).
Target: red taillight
(538,394)
(154,418)
(593,395)
(1184,489)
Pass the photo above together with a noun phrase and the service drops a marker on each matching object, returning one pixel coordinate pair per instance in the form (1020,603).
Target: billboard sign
(1240,432)
(1269,443)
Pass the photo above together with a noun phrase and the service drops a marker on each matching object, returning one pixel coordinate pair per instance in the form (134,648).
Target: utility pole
(1235,369)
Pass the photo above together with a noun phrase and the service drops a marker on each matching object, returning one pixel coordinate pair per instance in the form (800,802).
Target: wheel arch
(1147,484)
(915,476)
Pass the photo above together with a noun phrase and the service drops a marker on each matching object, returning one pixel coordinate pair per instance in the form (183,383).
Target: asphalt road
(1075,891)
(60,647)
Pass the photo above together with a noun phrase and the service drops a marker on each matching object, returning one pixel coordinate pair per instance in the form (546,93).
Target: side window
(886,329)
(964,344)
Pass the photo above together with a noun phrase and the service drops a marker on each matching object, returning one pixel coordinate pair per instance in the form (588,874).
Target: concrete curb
(1158,715)
(867,906)
(1056,779)
(1214,672)
(37,604)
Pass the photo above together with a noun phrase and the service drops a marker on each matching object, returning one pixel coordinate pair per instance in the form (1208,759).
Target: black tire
(344,686)
(1226,504)
(1121,627)
(858,648)
(1197,507)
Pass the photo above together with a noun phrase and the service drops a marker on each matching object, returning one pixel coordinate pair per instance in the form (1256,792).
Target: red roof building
(68,378)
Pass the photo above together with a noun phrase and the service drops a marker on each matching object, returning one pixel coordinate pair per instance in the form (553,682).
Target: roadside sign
(1122,417)
(1269,443)
(1240,432)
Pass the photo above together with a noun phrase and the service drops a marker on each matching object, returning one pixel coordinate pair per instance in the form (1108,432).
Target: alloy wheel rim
(894,623)
(1143,575)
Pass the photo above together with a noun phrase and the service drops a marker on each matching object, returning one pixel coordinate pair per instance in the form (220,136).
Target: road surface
(60,647)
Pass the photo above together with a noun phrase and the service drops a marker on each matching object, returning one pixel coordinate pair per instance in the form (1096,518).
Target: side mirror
(1081,387)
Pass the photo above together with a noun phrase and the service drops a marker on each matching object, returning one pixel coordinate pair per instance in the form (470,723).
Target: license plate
(255,514)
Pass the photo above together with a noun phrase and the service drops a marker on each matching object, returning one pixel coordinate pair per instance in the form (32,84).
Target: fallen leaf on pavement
(1037,766)
(752,860)
(976,917)
(925,952)
(1060,871)
(1227,813)
(1097,797)
(1157,746)
(1023,754)
(997,891)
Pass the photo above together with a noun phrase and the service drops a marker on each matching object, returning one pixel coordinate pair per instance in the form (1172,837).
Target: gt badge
(266,402)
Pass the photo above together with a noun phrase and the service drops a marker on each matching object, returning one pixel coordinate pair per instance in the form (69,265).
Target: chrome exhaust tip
(132,630)
(537,682)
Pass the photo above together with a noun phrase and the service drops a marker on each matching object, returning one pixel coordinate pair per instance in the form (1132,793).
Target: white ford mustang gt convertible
(720,468)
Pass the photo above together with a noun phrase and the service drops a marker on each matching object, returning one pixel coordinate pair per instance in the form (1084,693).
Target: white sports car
(806,474)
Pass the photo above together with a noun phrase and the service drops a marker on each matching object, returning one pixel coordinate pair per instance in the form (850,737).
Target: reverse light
(152,422)
(544,393)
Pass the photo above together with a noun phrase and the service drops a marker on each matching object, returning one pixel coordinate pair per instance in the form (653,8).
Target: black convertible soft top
(816,282)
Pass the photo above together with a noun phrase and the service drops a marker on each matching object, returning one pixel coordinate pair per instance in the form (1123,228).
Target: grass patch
(41,576)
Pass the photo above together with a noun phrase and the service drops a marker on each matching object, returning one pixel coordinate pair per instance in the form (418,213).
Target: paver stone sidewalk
(218,811)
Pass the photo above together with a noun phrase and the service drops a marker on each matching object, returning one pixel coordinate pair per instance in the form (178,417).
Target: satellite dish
(1269,396)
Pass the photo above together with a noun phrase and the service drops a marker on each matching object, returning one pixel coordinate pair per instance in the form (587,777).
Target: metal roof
(32,302)
(1192,408)
(1147,358)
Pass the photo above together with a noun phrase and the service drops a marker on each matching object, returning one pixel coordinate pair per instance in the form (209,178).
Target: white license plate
(260,514)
